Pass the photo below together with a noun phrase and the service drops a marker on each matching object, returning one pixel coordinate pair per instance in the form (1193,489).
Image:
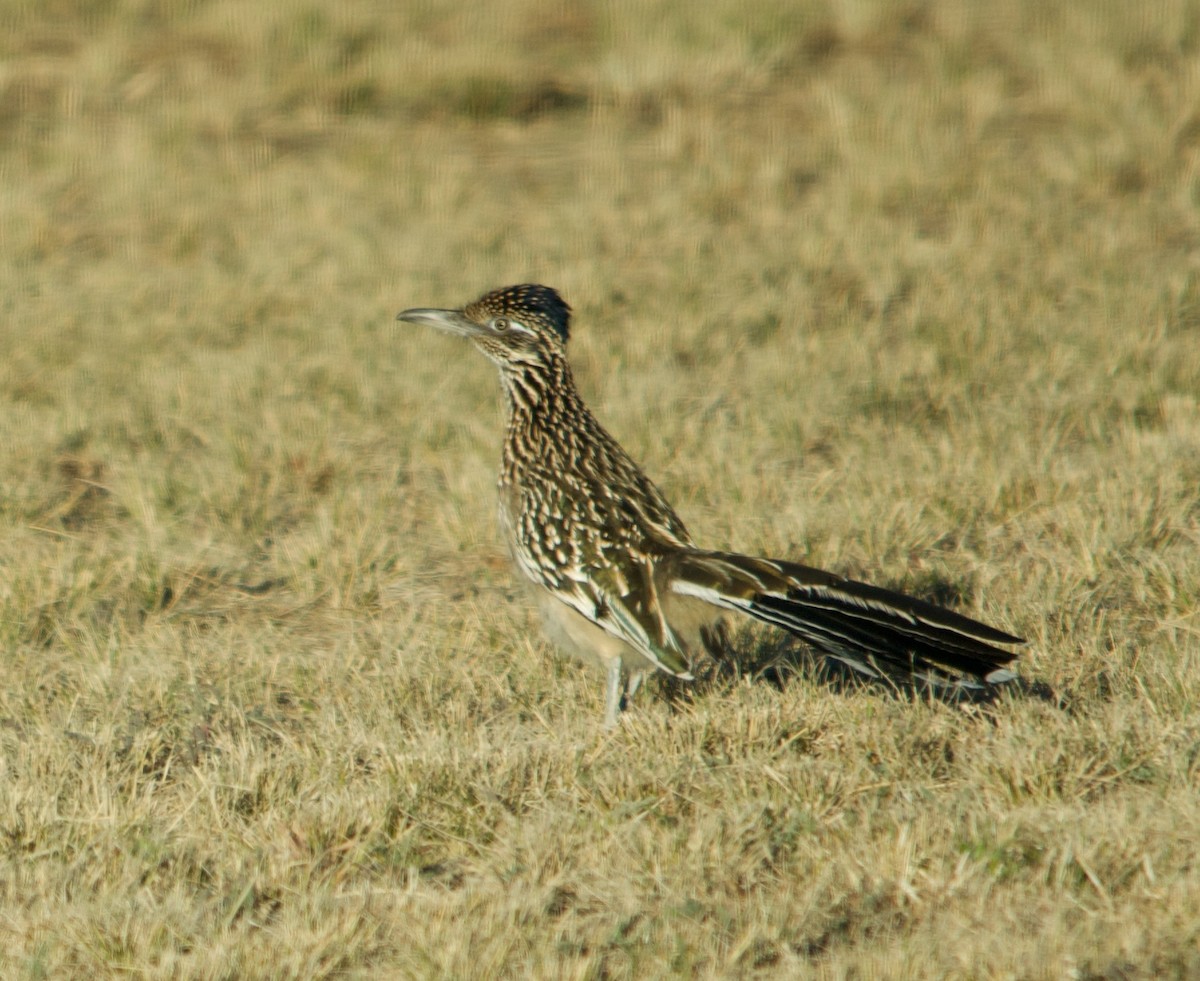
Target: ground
(908,292)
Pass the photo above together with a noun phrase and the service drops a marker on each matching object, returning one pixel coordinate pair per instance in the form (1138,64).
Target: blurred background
(835,215)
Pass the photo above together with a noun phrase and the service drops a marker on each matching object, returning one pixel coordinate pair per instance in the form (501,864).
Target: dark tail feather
(871,629)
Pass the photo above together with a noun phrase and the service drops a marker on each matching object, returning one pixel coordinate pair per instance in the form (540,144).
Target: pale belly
(693,621)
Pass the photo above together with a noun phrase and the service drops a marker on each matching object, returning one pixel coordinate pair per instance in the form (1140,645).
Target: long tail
(873,630)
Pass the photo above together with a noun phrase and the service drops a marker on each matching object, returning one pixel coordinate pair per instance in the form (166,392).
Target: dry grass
(911,293)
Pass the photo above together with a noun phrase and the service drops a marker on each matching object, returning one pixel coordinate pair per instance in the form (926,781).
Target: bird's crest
(529,303)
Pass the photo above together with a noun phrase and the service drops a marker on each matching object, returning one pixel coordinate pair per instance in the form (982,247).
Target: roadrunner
(624,585)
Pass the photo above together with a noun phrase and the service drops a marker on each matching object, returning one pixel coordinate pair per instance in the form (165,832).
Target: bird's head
(514,325)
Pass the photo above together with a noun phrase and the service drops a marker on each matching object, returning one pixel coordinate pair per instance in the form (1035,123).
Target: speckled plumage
(633,590)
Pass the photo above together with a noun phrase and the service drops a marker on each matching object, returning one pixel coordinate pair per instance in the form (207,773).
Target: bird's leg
(632,686)
(612,693)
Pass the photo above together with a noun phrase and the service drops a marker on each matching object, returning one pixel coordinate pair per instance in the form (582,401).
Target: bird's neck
(540,390)
(546,416)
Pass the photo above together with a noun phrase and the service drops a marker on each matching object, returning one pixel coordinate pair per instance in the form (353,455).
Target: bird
(623,584)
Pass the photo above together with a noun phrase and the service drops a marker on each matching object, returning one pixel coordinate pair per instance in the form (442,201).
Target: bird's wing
(623,601)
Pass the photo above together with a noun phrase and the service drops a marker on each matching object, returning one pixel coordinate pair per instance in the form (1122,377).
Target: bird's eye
(500,324)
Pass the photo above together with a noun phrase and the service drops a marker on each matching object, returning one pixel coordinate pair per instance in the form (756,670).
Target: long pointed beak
(451,321)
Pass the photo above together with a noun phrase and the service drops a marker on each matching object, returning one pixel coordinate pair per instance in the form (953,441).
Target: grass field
(908,292)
